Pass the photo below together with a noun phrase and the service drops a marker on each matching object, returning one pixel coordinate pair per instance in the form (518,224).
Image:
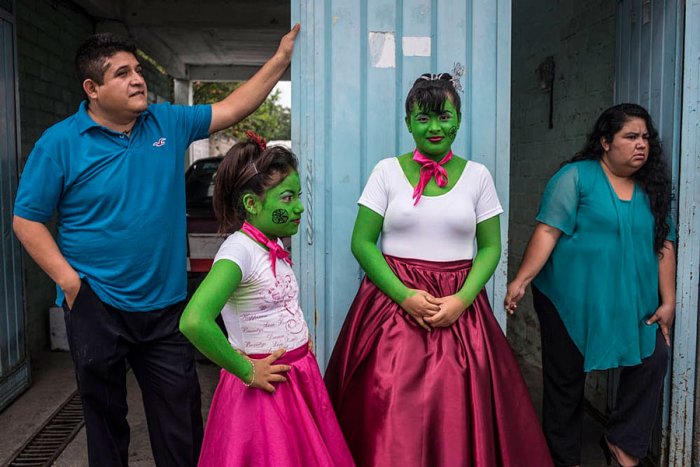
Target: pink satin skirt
(450,397)
(294,426)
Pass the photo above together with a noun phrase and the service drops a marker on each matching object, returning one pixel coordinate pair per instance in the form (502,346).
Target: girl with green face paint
(270,385)
(420,353)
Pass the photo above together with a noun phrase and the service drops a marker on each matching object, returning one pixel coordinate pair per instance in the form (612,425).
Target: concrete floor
(54,381)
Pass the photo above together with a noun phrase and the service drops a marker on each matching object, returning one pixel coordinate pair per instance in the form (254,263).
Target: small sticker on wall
(416,46)
(382,49)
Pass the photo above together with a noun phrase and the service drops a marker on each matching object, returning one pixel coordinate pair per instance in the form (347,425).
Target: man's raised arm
(245,99)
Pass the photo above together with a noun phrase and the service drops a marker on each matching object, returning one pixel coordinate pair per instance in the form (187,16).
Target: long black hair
(653,177)
(247,168)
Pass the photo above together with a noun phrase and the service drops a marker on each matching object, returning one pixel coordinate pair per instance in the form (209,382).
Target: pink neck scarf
(429,170)
(276,251)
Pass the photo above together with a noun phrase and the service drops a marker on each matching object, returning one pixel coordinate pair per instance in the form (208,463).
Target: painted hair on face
(92,55)
(430,91)
(247,168)
(653,177)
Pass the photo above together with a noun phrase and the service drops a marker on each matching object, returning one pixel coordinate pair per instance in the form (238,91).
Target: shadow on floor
(54,381)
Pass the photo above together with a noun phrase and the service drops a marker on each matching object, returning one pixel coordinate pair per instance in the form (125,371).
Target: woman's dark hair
(430,91)
(653,177)
(92,55)
(247,168)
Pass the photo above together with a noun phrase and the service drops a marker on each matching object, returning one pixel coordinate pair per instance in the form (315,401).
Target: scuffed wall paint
(382,49)
(581,38)
(417,46)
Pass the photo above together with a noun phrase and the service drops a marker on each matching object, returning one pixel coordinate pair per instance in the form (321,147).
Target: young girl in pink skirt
(270,407)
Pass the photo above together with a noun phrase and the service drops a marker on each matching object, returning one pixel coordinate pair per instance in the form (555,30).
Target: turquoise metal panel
(489,129)
(648,65)
(14,361)
(353,65)
(685,346)
(649,72)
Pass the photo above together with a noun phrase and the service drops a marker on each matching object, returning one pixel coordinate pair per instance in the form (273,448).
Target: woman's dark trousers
(638,395)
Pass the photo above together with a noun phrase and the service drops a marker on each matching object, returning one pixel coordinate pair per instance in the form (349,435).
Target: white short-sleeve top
(438,228)
(263,313)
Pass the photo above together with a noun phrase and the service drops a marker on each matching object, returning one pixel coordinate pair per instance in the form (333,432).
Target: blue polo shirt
(120,201)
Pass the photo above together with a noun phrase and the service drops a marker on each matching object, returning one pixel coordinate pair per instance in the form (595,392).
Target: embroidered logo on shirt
(159,143)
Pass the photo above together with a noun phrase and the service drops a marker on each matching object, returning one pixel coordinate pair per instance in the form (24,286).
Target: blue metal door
(648,71)
(14,361)
(354,63)
(648,65)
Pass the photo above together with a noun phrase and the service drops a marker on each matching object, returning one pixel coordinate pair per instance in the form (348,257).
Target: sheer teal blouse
(603,274)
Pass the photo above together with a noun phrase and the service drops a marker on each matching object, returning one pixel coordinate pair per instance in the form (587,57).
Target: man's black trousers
(102,339)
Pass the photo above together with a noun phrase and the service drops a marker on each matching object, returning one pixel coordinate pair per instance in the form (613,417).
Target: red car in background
(202,240)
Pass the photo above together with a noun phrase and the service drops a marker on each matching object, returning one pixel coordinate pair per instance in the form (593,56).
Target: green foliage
(272,121)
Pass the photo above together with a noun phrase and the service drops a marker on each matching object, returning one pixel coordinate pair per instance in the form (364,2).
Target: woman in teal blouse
(602,265)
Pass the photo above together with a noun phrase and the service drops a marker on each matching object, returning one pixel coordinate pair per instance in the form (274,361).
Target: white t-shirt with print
(263,313)
(438,228)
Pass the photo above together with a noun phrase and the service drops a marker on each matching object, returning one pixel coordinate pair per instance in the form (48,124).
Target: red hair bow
(259,140)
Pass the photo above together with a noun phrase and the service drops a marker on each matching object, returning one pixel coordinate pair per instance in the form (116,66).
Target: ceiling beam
(102,9)
(159,51)
(217,40)
(150,43)
(248,14)
(225,73)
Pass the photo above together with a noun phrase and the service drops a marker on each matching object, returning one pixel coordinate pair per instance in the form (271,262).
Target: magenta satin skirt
(450,397)
(294,426)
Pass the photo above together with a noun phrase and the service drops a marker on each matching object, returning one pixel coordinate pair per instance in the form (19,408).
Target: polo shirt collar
(85,122)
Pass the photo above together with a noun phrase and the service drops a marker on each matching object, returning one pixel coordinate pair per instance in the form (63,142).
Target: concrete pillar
(183,91)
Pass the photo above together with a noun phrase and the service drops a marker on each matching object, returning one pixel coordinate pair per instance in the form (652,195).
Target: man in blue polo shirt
(114,174)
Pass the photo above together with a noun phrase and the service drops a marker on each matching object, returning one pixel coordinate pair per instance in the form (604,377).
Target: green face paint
(278,214)
(434,132)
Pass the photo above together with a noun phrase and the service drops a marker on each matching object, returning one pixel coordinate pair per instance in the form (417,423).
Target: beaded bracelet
(252,369)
